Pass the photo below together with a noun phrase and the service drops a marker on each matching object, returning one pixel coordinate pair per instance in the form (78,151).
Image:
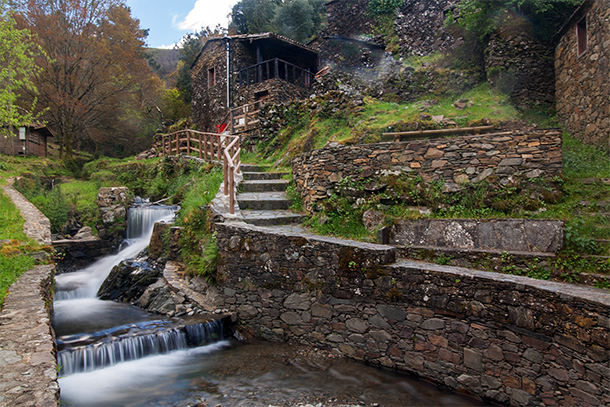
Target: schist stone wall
(209,100)
(456,160)
(582,86)
(501,337)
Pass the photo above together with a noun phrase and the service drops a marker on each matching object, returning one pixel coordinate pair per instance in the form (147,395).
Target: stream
(114,354)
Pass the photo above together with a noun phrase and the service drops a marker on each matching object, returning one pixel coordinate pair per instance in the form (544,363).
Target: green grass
(13,262)
(335,119)
(10,269)
(11,222)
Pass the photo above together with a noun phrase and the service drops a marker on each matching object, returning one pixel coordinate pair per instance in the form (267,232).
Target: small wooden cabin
(30,140)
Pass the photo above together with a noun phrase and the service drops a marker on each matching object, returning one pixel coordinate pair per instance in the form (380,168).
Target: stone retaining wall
(28,369)
(455,160)
(506,338)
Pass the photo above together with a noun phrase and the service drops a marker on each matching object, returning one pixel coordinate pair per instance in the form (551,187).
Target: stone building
(582,66)
(26,140)
(263,67)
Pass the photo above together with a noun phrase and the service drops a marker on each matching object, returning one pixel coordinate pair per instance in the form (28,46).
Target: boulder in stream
(128,280)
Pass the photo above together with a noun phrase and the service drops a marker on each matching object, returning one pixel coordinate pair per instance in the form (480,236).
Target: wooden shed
(30,140)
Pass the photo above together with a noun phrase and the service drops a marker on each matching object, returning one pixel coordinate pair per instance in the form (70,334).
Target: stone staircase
(262,198)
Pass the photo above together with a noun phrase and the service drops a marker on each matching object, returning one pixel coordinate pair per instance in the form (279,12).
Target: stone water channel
(114,354)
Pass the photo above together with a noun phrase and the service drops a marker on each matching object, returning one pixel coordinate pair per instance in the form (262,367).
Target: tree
(253,16)
(296,19)
(17,71)
(96,63)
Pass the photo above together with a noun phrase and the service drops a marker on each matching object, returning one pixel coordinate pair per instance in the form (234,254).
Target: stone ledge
(571,291)
(27,352)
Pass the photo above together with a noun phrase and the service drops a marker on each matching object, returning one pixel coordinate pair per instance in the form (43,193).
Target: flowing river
(114,354)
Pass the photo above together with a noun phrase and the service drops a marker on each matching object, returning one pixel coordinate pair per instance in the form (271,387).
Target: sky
(169,20)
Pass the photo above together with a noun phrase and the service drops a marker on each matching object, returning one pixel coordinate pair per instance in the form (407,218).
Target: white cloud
(207,13)
(170,46)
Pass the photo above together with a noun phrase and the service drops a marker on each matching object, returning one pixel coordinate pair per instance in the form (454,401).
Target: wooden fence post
(188,142)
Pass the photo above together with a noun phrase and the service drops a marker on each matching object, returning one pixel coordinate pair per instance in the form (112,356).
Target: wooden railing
(245,118)
(210,147)
(275,68)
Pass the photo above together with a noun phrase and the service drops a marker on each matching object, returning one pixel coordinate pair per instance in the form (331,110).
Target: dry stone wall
(582,86)
(456,160)
(509,339)
(520,65)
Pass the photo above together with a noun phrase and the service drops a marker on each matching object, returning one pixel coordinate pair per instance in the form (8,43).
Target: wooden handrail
(208,146)
(262,72)
(245,113)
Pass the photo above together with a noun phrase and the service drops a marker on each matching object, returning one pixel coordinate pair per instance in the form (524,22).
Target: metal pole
(228,74)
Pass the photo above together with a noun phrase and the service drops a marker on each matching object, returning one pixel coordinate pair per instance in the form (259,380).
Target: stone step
(253,168)
(273,185)
(271,218)
(252,176)
(263,200)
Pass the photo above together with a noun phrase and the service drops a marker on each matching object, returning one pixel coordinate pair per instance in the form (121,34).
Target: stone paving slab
(28,369)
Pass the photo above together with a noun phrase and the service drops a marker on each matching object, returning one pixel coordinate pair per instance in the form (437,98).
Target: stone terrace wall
(582,86)
(456,160)
(506,338)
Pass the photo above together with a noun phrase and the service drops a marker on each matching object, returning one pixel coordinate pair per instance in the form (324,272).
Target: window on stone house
(211,77)
(581,36)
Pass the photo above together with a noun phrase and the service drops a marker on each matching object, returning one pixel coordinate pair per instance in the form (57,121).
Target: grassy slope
(13,262)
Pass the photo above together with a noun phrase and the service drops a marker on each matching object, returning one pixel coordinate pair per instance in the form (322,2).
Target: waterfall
(140,220)
(85,283)
(134,345)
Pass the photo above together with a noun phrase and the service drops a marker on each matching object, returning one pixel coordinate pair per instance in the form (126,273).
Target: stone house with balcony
(582,68)
(30,140)
(264,67)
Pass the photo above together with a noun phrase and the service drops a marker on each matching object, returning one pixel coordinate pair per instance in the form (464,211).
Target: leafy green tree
(253,16)
(296,19)
(17,71)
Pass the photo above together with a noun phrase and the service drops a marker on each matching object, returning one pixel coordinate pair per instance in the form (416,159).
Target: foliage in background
(17,72)
(296,19)
(95,81)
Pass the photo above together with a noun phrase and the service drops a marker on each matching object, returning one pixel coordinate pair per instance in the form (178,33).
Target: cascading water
(85,283)
(77,354)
